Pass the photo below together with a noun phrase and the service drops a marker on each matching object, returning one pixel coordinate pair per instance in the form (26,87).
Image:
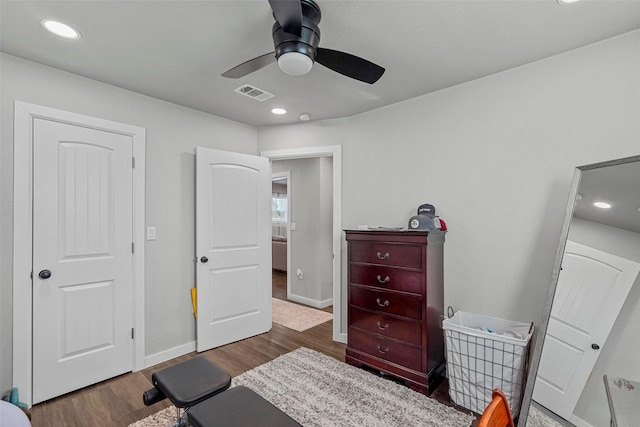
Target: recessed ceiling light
(563,2)
(602,205)
(60,29)
(279,111)
(304,117)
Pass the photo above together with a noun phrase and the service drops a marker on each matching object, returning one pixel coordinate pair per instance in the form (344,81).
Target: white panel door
(592,288)
(82,235)
(233,246)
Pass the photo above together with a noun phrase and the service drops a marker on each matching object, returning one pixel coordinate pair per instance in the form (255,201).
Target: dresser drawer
(386,278)
(388,326)
(387,349)
(390,302)
(408,256)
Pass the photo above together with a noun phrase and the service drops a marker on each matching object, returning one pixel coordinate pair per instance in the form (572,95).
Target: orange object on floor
(498,413)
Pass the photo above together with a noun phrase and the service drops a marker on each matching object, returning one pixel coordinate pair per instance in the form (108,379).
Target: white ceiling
(176,50)
(616,185)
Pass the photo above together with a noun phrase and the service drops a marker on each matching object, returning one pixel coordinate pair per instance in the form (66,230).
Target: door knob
(595,346)
(44,274)
(204,259)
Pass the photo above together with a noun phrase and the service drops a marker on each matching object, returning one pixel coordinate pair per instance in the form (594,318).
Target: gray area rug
(318,390)
(296,316)
(537,418)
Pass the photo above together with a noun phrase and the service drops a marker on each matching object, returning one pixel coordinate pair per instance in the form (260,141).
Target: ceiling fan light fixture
(295,63)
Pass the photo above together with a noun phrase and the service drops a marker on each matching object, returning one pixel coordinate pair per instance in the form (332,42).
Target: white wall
(496,156)
(311,242)
(172,134)
(619,355)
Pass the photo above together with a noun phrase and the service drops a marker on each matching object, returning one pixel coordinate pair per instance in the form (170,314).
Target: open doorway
(333,156)
(302,243)
(302,257)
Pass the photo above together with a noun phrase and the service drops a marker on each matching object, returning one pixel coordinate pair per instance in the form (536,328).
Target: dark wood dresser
(396,304)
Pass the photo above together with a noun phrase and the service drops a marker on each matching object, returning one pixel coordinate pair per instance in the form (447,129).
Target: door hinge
(132,334)
(133,249)
(133,162)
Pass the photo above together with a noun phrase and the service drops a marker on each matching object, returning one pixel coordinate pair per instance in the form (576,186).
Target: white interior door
(82,235)
(592,288)
(233,246)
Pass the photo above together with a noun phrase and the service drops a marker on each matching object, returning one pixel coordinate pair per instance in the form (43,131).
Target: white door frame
(287,176)
(334,151)
(24,115)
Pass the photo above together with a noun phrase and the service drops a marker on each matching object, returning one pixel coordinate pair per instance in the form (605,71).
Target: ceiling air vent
(254,92)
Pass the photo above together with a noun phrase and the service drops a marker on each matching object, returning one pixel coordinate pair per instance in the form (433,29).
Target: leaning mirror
(589,328)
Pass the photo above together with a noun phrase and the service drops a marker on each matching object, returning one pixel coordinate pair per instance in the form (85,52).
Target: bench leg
(181,418)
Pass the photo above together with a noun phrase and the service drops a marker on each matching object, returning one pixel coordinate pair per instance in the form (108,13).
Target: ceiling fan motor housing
(309,38)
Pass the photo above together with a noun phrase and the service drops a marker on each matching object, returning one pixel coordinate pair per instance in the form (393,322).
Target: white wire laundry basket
(484,353)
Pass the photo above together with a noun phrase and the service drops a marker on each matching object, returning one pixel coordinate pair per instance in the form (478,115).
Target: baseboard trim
(310,302)
(169,354)
(579,422)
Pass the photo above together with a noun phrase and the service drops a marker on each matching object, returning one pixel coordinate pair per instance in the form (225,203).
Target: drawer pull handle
(385,256)
(383,327)
(385,280)
(383,350)
(382,304)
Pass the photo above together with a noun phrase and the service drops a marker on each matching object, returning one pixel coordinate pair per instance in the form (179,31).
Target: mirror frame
(544,320)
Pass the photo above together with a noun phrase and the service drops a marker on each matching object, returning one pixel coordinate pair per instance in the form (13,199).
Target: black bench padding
(191,382)
(238,407)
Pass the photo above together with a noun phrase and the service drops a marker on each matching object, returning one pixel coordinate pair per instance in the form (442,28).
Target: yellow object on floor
(194,301)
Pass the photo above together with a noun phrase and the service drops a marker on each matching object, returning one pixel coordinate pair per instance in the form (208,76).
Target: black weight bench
(238,407)
(200,391)
(187,384)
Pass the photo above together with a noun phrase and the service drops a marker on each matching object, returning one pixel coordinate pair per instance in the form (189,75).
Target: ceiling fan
(296,37)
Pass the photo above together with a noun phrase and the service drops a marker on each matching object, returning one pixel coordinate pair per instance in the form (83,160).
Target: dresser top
(383,230)
(405,235)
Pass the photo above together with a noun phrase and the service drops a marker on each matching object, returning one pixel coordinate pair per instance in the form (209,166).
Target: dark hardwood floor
(279,284)
(118,401)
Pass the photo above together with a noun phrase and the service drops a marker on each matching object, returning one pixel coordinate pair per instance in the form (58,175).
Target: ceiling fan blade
(288,13)
(349,65)
(250,66)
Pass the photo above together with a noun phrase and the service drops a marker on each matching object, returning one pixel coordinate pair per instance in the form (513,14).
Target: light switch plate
(151,233)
